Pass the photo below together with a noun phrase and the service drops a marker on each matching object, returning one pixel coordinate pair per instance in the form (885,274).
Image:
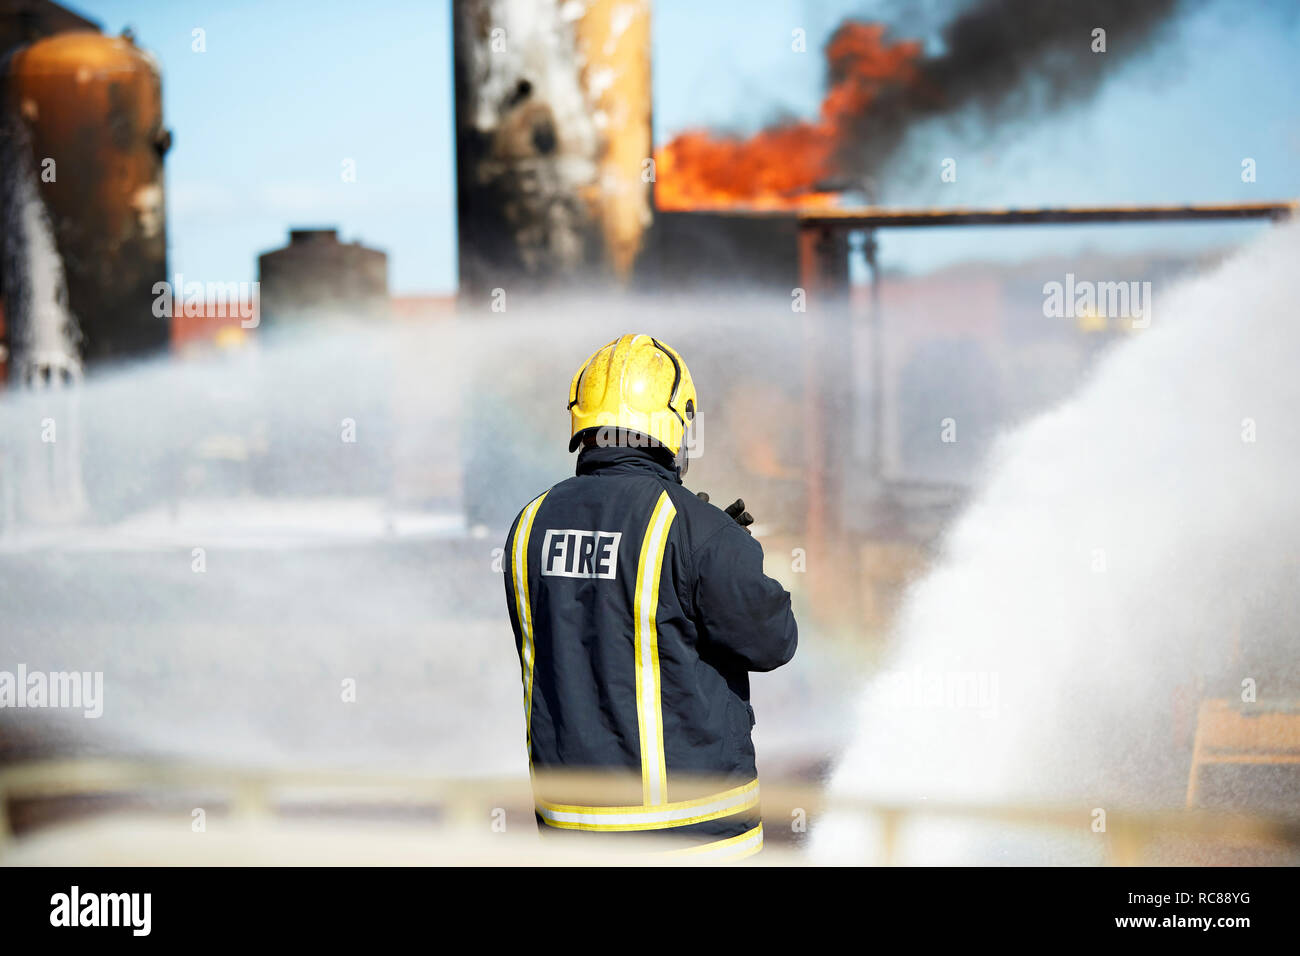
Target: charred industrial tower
(553,148)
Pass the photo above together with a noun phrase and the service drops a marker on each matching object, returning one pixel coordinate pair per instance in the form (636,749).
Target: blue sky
(289,89)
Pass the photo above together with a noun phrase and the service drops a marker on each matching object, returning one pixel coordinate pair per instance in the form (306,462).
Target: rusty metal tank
(88,111)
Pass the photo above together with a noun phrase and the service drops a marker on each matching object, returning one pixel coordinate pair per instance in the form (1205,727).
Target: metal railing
(458,812)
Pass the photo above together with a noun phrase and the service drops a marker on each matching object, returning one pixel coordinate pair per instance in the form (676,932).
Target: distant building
(196,330)
(316,276)
(420,308)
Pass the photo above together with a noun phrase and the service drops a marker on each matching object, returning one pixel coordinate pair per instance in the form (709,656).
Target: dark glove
(735,510)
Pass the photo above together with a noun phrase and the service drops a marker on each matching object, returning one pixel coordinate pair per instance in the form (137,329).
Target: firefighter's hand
(735,510)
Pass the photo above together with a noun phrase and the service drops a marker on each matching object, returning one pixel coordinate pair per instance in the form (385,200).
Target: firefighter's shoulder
(528,512)
(703,519)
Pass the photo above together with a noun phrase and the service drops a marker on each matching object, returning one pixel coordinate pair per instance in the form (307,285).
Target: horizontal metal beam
(870,217)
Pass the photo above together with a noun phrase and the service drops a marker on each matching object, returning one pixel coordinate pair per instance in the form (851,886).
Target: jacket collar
(622,460)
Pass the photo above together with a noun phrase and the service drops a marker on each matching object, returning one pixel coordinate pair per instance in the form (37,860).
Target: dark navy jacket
(639,611)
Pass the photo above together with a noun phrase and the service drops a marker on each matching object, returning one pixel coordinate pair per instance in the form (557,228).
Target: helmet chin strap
(683,458)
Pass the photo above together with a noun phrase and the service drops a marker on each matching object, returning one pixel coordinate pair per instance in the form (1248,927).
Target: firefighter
(639,610)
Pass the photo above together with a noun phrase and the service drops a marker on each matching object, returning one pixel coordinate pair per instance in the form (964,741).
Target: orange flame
(779,167)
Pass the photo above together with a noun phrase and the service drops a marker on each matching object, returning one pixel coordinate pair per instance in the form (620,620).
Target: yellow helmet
(635,383)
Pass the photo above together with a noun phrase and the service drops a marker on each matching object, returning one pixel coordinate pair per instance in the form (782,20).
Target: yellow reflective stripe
(658,817)
(524,610)
(724,851)
(649,712)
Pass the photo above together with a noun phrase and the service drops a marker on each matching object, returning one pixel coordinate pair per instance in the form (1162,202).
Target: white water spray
(43,332)
(1131,552)
(325,505)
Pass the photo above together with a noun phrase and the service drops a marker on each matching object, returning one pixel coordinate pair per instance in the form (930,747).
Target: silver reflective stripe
(723,851)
